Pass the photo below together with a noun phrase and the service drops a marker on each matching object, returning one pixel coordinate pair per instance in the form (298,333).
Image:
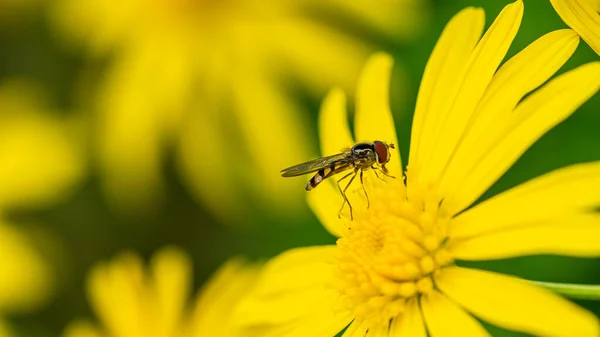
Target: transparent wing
(315,165)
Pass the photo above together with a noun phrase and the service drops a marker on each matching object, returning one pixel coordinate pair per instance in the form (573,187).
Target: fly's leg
(377,175)
(364,190)
(385,171)
(375,169)
(344,193)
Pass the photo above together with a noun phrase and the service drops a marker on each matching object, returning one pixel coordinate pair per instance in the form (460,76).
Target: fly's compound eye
(381,149)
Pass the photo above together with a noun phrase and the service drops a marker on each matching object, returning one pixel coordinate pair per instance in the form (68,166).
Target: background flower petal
(116,292)
(259,104)
(81,329)
(540,199)
(384,15)
(4,329)
(334,132)
(171,275)
(212,314)
(440,79)
(583,18)
(204,178)
(444,318)
(26,278)
(515,304)
(374,119)
(333,57)
(521,74)
(41,159)
(574,235)
(532,118)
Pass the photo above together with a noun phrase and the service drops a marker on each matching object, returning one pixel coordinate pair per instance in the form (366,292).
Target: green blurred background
(67,63)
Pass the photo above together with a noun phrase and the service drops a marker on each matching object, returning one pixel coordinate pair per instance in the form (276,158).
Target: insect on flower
(361,157)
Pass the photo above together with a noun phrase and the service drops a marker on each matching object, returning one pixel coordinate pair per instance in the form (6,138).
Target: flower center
(390,251)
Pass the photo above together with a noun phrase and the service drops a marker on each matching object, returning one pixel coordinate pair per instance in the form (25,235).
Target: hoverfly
(361,157)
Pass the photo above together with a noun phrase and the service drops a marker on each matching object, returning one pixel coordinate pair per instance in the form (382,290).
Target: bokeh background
(135,125)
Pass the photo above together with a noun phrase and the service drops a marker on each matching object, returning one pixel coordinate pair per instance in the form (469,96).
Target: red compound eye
(382,152)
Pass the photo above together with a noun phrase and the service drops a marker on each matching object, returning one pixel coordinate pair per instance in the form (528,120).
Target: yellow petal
(302,312)
(532,118)
(319,55)
(5,330)
(288,271)
(80,329)
(325,202)
(273,129)
(440,79)
(130,133)
(40,162)
(379,330)
(373,119)
(171,277)
(444,318)
(486,58)
(565,191)
(594,3)
(209,181)
(335,136)
(356,329)
(575,235)
(411,323)
(117,294)
(582,17)
(296,286)
(218,298)
(524,72)
(516,304)
(401,20)
(334,132)
(323,321)
(26,279)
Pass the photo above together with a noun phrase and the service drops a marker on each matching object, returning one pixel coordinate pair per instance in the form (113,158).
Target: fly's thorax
(390,253)
(364,155)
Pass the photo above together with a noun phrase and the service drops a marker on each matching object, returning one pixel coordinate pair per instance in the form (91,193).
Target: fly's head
(382,153)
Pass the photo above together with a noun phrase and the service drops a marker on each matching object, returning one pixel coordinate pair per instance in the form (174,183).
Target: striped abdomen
(323,174)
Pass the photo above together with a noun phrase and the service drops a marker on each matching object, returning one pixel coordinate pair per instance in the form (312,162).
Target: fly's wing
(315,165)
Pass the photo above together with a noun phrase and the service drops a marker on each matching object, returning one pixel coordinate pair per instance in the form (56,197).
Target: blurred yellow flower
(583,17)
(212,315)
(133,302)
(40,161)
(213,78)
(26,279)
(392,272)
(13,12)
(39,166)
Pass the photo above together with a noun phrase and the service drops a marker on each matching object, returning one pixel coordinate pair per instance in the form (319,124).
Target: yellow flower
(26,278)
(39,166)
(583,17)
(392,272)
(39,161)
(133,302)
(14,12)
(210,77)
